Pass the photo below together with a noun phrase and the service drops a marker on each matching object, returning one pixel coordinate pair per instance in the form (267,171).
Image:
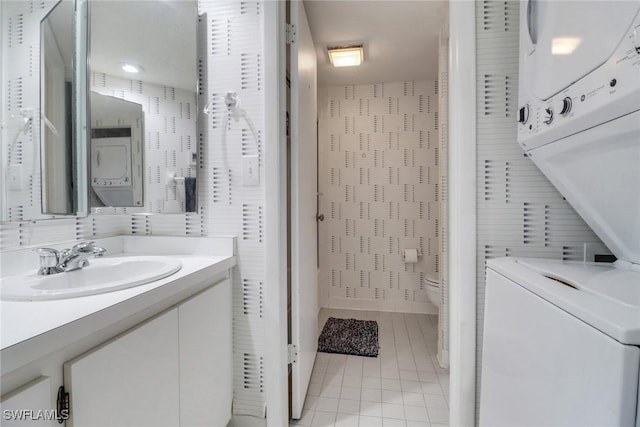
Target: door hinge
(292,353)
(62,405)
(291,33)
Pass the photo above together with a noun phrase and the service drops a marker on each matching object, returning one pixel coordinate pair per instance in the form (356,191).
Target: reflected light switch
(15,177)
(250,171)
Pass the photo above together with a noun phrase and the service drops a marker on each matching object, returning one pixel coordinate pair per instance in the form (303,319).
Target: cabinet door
(30,405)
(131,380)
(205,358)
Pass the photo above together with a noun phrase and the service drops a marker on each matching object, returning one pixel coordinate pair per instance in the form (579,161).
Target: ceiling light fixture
(130,68)
(346,56)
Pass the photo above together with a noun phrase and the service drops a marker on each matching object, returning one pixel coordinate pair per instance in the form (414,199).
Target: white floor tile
(391,384)
(393,422)
(392,396)
(371,409)
(413,399)
(392,373)
(432,388)
(347,420)
(416,413)
(327,404)
(427,377)
(438,415)
(392,410)
(352,380)
(411,386)
(366,421)
(330,391)
(352,393)
(435,401)
(403,386)
(371,395)
(323,419)
(314,389)
(349,407)
(371,382)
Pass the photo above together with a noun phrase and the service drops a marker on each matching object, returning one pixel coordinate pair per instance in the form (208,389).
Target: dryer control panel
(610,91)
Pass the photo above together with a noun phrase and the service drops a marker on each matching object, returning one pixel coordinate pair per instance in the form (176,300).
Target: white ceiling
(159,35)
(400,38)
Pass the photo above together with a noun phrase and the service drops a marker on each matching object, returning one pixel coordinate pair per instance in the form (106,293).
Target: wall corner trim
(462,211)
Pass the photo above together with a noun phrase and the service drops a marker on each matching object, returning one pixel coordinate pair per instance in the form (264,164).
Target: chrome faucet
(53,261)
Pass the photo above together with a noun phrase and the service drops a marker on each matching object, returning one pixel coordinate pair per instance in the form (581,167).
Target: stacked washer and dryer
(562,339)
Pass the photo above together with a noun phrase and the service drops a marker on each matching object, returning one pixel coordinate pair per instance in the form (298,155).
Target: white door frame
(462,212)
(275,162)
(462,196)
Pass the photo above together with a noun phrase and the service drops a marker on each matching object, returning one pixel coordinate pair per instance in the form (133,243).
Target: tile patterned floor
(404,386)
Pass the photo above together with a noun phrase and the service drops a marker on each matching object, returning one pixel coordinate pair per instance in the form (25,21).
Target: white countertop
(32,329)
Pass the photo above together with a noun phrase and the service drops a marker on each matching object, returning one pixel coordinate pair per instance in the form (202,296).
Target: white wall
(378,179)
(235,62)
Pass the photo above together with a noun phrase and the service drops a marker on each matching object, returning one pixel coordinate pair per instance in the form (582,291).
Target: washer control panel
(608,92)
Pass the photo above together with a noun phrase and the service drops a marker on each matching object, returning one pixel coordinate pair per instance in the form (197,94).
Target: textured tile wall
(380,186)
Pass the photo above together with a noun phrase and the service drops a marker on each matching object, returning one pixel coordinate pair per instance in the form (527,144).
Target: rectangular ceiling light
(346,56)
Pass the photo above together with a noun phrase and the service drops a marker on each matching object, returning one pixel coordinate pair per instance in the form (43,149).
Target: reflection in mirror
(55,102)
(39,93)
(144,52)
(116,152)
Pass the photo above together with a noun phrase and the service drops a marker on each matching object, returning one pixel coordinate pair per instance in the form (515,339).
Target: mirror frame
(81,104)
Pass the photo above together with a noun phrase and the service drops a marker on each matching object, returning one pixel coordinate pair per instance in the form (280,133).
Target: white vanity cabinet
(172,370)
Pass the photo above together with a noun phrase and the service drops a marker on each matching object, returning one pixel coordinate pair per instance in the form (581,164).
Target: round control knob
(563,107)
(549,116)
(523,114)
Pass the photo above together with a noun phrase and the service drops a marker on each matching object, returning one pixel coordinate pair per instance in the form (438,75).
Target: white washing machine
(562,339)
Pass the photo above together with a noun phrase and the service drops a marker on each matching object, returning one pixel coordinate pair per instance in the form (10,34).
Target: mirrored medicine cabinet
(99,107)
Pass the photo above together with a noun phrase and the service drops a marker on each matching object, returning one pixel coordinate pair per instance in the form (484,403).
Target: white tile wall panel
(378,177)
(235,64)
(519,212)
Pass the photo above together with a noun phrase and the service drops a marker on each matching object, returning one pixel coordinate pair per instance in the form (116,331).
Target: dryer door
(569,39)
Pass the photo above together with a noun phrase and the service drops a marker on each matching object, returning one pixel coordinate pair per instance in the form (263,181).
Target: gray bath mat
(349,336)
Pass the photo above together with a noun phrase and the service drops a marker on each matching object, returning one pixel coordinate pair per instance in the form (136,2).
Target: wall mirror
(59,157)
(143,105)
(43,88)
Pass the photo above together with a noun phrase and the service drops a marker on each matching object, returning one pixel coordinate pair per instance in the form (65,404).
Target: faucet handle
(48,257)
(98,251)
(84,246)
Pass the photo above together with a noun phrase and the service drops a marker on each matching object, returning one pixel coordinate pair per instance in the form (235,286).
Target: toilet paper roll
(410,256)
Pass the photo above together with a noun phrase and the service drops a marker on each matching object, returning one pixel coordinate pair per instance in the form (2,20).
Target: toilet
(432,285)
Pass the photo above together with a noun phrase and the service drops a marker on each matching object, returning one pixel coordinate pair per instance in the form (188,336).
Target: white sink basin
(102,275)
